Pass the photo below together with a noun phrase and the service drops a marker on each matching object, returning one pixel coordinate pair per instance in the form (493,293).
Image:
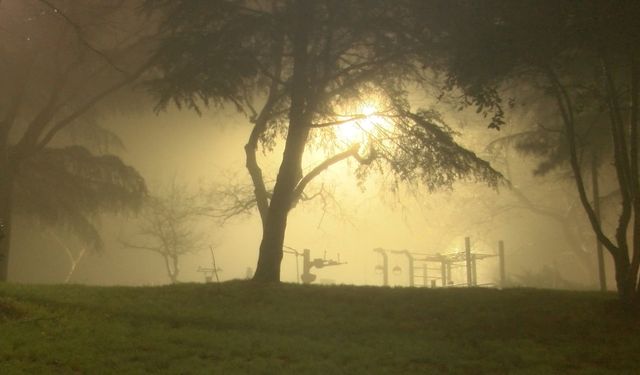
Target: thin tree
(583,55)
(168,227)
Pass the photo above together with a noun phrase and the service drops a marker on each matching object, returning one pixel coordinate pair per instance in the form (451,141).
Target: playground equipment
(210,272)
(307,263)
(447,262)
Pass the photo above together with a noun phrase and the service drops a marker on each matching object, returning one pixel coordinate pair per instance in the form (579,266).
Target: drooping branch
(338,122)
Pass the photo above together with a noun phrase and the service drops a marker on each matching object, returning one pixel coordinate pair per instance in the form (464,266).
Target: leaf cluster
(210,52)
(70,187)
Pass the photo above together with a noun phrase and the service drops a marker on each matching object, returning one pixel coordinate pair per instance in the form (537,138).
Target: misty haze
(319,186)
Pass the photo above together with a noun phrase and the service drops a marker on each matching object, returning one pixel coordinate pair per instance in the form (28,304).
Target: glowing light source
(366,124)
(368,109)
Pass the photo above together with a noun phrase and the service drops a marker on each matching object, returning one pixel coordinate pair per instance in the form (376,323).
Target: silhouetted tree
(583,55)
(547,145)
(58,61)
(301,70)
(168,226)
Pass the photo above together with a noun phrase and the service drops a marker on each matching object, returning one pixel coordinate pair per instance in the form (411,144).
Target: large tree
(58,61)
(310,72)
(583,56)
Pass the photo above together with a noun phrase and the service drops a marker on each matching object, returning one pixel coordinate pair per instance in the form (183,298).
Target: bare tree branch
(80,34)
(61,124)
(302,184)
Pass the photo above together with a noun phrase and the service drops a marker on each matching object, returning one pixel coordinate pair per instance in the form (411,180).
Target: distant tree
(547,144)
(551,194)
(58,61)
(583,56)
(305,71)
(169,226)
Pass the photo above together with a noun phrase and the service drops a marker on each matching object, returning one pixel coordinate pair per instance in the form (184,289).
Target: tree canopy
(303,71)
(580,55)
(58,62)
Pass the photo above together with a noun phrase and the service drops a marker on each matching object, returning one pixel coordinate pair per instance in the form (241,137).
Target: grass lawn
(241,328)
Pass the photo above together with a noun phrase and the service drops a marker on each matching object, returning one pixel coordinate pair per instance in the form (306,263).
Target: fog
(408,136)
(207,150)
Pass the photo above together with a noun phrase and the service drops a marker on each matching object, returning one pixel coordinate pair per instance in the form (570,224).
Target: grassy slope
(238,328)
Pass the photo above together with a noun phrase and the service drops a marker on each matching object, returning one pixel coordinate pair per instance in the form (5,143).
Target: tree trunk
(7,173)
(6,192)
(176,269)
(172,272)
(595,189)
(625,280)
(290,173)
(268,268)
(260,126)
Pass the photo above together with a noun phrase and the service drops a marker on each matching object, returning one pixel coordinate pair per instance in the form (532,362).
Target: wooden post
(503,275)
(467,257)
(215,268)
(307,277)
(425,281)
(474,274)
(411,275)
(385,269)
(385,266)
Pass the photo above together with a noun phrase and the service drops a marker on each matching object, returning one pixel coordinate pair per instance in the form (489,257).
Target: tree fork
(270,256)
(259,127)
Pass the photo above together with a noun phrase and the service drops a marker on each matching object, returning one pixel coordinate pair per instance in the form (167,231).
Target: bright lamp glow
(365,125)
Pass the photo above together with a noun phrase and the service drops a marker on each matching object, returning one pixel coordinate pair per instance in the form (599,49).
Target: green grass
(242,328)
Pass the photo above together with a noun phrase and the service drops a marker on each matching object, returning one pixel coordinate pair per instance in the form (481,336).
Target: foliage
(61,62)
(191,76)
(238,328)
(423,148)
(204,56)
(299,71)
(583,57)
(70,187)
